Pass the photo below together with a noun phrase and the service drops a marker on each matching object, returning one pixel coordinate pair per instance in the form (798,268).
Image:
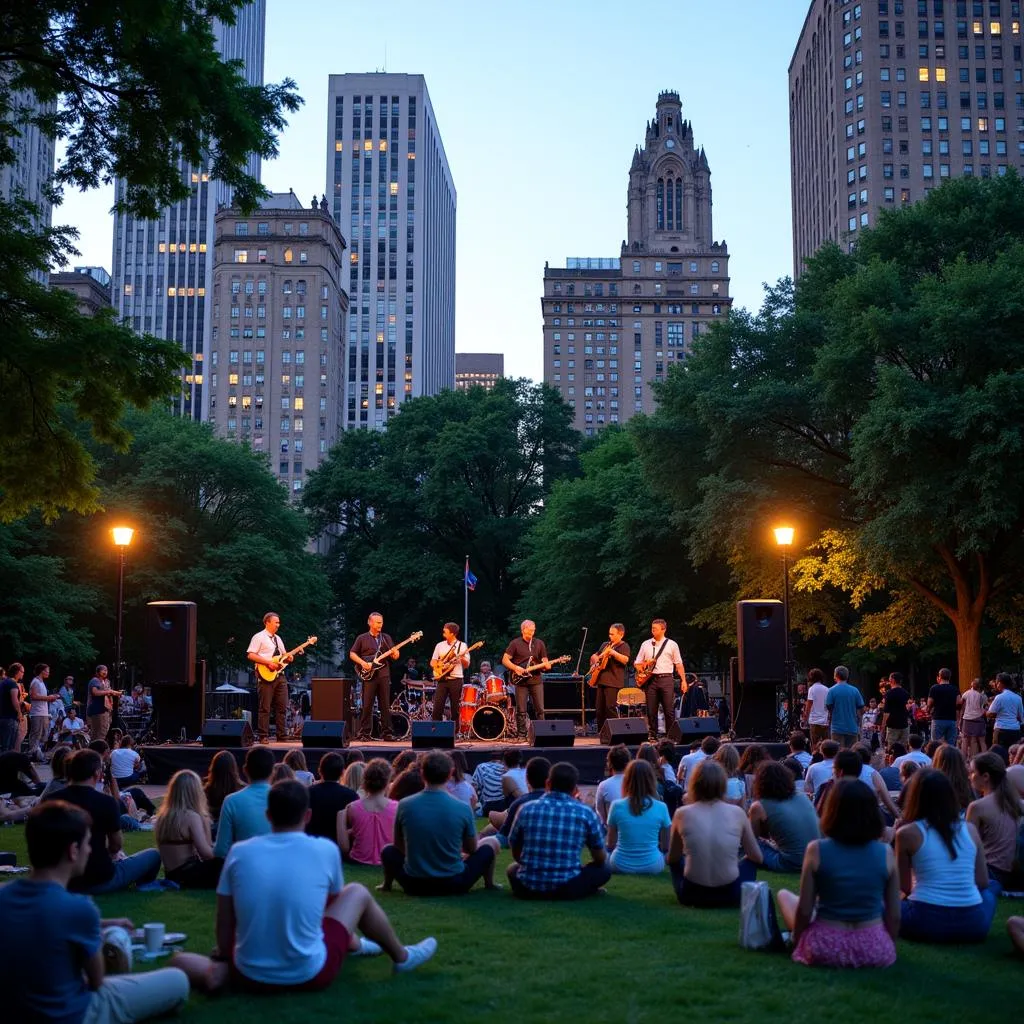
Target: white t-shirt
(817,775)
(39,708)
(917,756)
(608,791)
(804,758)
(278,927)
(974,705)
(123,762)
(518,776)
(442,648)
(72,725)
(688,762)
(667,660)
(819,712)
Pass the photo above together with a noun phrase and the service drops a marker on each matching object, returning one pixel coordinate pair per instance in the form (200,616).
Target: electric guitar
(602,663)
(645,669)
(542,666)
(270,675)
(447,662)
(366,674)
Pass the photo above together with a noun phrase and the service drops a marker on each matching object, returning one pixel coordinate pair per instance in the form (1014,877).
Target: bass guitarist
(655,662)
(266,648)
(608,672)
(364,650)
(525,658)
(451,658)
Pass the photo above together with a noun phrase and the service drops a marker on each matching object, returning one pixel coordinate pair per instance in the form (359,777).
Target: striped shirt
(552,832)
(487,779)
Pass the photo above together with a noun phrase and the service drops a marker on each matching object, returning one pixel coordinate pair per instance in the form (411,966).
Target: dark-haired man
(895,725)
(100,704)
(10,706)
(364,651)
(328,796)
(39,712)
(266,648)
(814,706)
(611,679)
(665,658)
(450,653)
(610,789)
(244,814)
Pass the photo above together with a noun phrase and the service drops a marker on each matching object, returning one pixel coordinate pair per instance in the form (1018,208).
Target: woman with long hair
(638,824)
(182,833)
(735,783)
(353,777)
(282,772)
(296,760)
(941,861)
(458,785)
(58,760)
(784,820)
(848,911)
(752,757)
(367,825)
(950,762)
(222,779)
(996,816)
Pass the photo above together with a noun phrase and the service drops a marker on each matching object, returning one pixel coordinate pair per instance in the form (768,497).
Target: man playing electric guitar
(608,672)
(525,658)
(266,648)
(655,661)
(375,646)
(450,657)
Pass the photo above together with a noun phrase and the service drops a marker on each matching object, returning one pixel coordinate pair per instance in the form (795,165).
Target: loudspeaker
(324,734)
(755,711)
(624,730)
(178,712)
(433,735)
(686,730)
(227,732)
(761,633)
(551,733)
(171,643)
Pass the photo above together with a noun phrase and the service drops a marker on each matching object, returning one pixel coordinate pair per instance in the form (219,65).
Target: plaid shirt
(487,779)
(553,831)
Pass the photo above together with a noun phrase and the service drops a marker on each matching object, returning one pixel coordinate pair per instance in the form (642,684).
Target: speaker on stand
(761,667)
(170,668)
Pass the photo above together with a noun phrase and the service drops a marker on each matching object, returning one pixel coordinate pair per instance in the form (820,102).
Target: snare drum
(488,723)
(466,712)
(471,694)
(495,688)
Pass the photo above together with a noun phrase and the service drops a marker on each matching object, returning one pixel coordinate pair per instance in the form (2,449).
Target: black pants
(473,867)
(586,883)
(380,687)
(660,690)
(607,706)
(273,697)
(535,691)
(450,690)
(196,873)
(141,800)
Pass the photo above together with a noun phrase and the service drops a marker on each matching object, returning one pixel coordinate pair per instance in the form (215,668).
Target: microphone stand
(583,691)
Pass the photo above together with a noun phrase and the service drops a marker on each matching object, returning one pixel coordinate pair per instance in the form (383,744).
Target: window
(241,255)
(241,228)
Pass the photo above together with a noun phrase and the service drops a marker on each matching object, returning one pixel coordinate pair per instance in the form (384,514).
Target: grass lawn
(633,955)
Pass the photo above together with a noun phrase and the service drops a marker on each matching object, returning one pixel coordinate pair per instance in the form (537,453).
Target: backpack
(759,927)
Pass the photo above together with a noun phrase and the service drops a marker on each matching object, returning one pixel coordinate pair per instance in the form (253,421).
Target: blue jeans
(927,922)
(141,867)
(776,860)
(944,729)
(8,734)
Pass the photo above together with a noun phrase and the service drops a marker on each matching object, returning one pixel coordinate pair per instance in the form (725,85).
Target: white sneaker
(367,948)
(419,954)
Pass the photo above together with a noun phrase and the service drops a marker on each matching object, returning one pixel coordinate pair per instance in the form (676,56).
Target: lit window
(127,289)
(922,74)
(940,74)
(338,146)
(368,144)
(287,256)
(241,255)
(383,147)
(394,188)
(995,28)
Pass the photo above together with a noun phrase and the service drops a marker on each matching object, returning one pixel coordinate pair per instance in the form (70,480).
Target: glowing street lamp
(122,539)
(784,540)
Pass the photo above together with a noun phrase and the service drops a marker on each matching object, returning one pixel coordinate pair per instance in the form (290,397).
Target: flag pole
(465,603)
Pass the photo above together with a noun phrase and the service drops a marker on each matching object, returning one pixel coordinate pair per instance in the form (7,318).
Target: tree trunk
(968,648)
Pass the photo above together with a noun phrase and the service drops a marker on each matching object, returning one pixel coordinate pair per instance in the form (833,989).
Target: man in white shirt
(819,773)
(663,656)
(915,754)
(450,651)
(72,725)
(815,709)
(708,748)
(267,648)
(39,713)
(610,789)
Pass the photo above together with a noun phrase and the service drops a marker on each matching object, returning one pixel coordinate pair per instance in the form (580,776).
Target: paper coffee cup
(153,935)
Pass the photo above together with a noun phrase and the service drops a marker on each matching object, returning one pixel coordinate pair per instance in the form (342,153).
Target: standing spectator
(39,713)
(943,701)
(815,710)
(367,825)
(547,838)
(972,722)
(182,832)
(844,702)
(1007,712)
(222,779)
(10,707)
(610,788)
(638,824)
(98,708)
(783,820)
(328,797)
(126,763)
(244,814)
(996,816)
(821,771)
(895,724)
(67,692)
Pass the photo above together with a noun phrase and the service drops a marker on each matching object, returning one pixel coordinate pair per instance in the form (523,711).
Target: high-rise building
(89,285)
(278,332)
(478,369)
(889,98)
(613,325)
(162,272)
(392,194)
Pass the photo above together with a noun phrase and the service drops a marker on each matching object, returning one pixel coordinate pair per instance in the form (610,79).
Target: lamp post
(122,539)
(784,539)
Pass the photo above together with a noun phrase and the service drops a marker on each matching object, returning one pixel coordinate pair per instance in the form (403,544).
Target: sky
(539,106)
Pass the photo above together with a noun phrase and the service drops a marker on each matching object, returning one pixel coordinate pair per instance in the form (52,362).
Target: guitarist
(450,651)
(363,651)
(527,650)
(267,648)
(615,656)
(664,653)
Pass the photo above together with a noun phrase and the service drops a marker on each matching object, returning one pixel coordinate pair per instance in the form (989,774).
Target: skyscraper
(889,98)
(392,195)
(478,369)
(612,325)
(163,268)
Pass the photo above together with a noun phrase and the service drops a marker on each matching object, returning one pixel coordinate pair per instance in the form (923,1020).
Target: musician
(659,688)
(449,653)
(363,651)
(267,648)
(613,677)
(100,704)
(527,650)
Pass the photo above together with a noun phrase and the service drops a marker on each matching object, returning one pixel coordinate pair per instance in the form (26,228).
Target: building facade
(614,325)
(478,369)
(162,270)
(889,98)
(392,194)
(89,285)
(277,335)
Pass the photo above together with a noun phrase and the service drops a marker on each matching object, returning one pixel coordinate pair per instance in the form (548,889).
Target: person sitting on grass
(848,911)
(64,978)
(783,819)
(609,789)
(997,816)
(546,840)
(244,814)
(487,779)
(821,772)
(281,773)
(890,773)
(873,780)
(708,747)
(458,785)
(915,753)
(222,779)
(18,776)
(948,760)
(706,833)
(408,783)
(125,797)
(845,765)
(735,781)
(433,831)
(73,726)
(941,863)
(296,760)
(329,797)
(286,921)
(106,870)
(126,763)
(182,833)
(367,824)
(638,824)
(513,782)
(753,756)
(798,750)
(537,771)
(353,777)
(58,766)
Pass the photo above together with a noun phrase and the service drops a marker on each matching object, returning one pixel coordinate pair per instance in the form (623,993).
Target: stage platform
(588,754)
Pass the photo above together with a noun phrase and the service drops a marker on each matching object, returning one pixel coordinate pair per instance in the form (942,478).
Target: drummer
(497,691)
(450,650)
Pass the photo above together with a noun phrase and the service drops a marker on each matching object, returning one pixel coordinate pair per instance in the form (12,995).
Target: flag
(470,579)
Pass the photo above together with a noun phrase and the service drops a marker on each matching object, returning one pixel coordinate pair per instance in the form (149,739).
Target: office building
(889,98)
(89,285)
(392,194)
(162,271)
(478,369)
(277,335)
(614,325)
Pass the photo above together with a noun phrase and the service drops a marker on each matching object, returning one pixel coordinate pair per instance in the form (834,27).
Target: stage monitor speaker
(551,733)
(623,730)
(761,635)
(324,734)
(170,643)
(433,735)
(227,732)
(686,730)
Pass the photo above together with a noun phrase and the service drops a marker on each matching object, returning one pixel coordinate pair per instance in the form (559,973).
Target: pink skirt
(824,945)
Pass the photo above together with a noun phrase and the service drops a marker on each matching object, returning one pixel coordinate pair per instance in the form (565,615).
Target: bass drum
(399,725)
(488,723)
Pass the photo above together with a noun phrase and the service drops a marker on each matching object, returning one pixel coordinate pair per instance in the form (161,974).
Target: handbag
(759,926)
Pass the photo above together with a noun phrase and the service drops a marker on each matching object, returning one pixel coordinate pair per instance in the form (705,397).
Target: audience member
(997,815)
(39,713)
(610,788)
(487,780)
(296,760)
(667,760)
(890,773)
(222,779)
(1015,928)
(1006,712)
(403,760)
(783,820)
(58,766)
(821,771)
(18,776)
(329,797)
(950,762)
(798,750)
(735,780)
(943,701)
(708,748)
(846,765)
(537,771)
(848,910)
(353,777)
(281,772)
(366,825)
(458,785)
(795,768)
(874,781)
(815,710)
(844,702)
(753,756)
(915,753)
(182,833)
(126,763)
(638,824)
(513,782)
(10,707)
(72,726)
(973,729)
(244,814)
(895,716)
(408,783)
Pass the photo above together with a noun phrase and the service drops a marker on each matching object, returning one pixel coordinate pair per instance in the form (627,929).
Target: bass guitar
(270,675)
(447,662)
(601,664)
(366,674)
(542,666)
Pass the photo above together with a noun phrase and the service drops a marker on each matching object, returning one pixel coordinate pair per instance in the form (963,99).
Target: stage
(588,754)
